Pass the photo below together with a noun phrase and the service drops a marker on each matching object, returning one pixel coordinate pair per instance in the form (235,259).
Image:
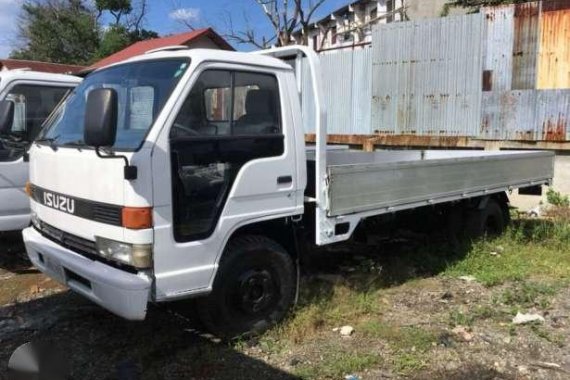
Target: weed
(528,294)
(458,318)
(541,332)
(531,248)
(481,312)
(399,338)
(337,364)
(408,362)
(556,199)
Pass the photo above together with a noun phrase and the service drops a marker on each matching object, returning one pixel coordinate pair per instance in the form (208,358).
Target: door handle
(284,179)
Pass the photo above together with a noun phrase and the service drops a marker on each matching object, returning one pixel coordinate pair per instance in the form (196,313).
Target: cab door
(232,162)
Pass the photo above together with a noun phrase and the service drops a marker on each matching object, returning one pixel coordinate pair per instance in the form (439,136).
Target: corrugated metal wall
(478,75)
(426,76)
(499,30)
(536,115)
(347,92)
(525,45)
(525,110)
(554,57)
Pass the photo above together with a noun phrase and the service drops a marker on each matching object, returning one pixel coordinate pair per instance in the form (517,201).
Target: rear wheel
(490,221)
(253,290)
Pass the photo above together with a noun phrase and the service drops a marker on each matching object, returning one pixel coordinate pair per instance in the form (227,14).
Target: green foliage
(117,8)
(531,248)
(69,31)
(556,199)
(124,6)
(59,31)
(337,364)
(114,39)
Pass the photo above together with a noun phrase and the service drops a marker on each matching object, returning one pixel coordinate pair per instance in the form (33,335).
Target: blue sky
(164,16)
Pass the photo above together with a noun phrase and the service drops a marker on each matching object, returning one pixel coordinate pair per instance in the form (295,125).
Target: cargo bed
(347,186)
(387,181)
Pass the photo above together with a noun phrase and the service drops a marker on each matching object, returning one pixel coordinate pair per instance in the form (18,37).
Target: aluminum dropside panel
(391,181)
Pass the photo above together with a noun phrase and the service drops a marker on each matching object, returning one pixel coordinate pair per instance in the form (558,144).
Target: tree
(59,31)
(284,16)
(117,8)
(127,26)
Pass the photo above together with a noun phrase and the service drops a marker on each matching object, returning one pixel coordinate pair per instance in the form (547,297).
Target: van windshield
(142,90)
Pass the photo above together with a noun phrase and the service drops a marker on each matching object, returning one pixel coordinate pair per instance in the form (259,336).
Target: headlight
(137,255)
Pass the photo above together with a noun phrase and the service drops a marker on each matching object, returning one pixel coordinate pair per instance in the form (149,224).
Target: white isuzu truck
(27,98)
(184,173)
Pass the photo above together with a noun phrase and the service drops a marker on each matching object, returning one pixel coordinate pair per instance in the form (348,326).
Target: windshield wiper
(49,140)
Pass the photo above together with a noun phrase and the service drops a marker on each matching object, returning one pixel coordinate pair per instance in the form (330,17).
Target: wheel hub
(256,291)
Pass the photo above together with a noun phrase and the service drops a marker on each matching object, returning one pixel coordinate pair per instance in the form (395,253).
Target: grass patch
(553,338)
(407,363)
(479,313)
(410,345)
(399,338)
(337,364)
(528,294)
(324,306)
(531,248)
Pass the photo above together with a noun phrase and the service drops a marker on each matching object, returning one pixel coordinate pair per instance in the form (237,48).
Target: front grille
(78,245)
(67,240)
(107,214)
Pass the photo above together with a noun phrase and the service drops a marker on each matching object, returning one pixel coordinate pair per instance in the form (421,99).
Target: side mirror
(100,124)
(6,116)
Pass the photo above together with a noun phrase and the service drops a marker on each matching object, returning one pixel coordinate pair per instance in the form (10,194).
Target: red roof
(45,67)
(142,47)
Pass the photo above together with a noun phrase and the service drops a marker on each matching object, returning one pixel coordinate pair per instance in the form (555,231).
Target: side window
(33,104)
(228,119)
(255,104)
(230,103)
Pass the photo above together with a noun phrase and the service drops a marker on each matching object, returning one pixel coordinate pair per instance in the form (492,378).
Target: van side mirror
(100,124)
(6,116)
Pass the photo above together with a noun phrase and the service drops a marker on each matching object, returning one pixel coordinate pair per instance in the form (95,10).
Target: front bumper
(124,294)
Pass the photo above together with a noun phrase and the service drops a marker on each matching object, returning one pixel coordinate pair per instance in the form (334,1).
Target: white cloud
(9,11)
(184,14)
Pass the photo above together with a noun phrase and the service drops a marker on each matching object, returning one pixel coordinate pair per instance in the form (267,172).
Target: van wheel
(491,221)
(253,290)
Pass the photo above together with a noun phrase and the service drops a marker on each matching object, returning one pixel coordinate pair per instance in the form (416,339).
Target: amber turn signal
(137,218)
(28,189)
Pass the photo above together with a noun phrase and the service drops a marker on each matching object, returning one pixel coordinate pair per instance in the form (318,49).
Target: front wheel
(253,290)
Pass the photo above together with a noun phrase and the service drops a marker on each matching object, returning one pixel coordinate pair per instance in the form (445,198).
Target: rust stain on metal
(527,9)
(554,58)
(524,135)
(555,130)
(369,142)
(555,5)
(525,45)
(485,122)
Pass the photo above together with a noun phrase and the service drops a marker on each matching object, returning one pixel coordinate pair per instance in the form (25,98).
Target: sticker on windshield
(180,70)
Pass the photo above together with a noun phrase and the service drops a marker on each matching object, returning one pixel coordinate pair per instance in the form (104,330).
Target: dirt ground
(417,325)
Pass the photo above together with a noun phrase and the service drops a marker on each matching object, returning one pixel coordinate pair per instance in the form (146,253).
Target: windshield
(142,89)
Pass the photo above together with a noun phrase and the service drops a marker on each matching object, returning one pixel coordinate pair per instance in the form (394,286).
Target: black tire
(253,289)
(491,221)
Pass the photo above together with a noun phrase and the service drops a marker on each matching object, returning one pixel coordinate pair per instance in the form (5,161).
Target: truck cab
(205,143)
(30,98)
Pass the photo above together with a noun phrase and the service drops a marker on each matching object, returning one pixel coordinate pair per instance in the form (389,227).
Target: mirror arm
(130,171)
